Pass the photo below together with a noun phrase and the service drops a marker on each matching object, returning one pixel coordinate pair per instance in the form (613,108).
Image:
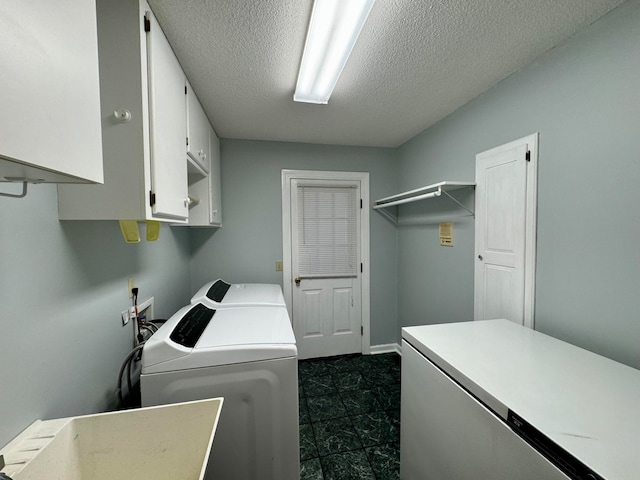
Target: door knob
(297,280)
(479,257)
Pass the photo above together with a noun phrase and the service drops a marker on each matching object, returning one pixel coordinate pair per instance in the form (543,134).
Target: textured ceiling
(416,61)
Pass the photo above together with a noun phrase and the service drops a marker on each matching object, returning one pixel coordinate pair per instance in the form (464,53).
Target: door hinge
(187,141)
(528,156)
(147,24)
(152,198)
(360,203)
(361,330)
(361,268)
(185,89)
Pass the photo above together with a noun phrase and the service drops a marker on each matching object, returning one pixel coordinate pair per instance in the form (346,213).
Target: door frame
(365,277)
(531,221)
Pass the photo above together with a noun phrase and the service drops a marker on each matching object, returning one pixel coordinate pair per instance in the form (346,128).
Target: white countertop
(586,403)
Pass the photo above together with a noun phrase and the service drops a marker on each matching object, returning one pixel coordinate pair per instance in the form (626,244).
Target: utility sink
(163,442)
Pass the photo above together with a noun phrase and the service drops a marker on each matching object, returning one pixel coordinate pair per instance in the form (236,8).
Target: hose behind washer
(126,365)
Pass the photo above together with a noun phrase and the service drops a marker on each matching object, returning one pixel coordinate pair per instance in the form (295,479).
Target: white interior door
(325,226)
(505,232)
(326,244)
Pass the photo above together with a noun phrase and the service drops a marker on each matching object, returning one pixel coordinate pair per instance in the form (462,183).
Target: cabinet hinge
(528,156)
(152,198)
(147,24)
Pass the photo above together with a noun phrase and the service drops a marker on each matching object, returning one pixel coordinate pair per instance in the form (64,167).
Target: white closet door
(503,233)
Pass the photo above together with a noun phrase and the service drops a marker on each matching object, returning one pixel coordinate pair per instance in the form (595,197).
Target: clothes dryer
(249,357)
(220,294)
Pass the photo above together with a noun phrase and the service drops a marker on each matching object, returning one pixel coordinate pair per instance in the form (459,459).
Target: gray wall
(584,99)
(249,243)
(62,288)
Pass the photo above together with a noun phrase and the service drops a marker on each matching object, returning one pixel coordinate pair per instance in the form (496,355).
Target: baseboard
(387,348)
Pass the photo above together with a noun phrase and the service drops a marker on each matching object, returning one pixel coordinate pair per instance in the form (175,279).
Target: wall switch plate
(279,266)
(131,284)
(126,316)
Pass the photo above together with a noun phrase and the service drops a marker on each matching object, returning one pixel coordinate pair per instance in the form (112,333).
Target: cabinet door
(215,181)
(167,126)
(197,131)
(49,91)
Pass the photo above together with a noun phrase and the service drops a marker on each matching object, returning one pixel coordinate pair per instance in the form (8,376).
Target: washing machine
(247,355)
(220,294)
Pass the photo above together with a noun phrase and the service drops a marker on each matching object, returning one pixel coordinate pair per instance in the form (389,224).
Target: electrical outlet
(125,315)
(131,284)
(279,266)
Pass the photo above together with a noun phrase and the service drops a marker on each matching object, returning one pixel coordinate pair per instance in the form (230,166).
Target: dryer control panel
(190,328)
(218,290)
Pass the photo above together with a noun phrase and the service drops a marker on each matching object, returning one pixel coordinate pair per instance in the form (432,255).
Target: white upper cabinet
(204,190)
(144,123)
(49,91)
(168,129)
(197,131)
(215,180)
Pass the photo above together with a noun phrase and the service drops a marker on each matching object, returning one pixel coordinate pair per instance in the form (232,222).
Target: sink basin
(163,442)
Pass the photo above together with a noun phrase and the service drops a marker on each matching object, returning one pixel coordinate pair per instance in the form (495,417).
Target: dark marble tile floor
(350,417)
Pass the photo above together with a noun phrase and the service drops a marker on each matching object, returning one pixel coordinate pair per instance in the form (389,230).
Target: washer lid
(246,326)
(231,335)
(219,294)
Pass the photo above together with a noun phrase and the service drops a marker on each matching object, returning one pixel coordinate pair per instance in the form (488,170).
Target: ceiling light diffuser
(333,31)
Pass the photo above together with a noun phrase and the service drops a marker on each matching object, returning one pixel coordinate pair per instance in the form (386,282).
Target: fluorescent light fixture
(333,31)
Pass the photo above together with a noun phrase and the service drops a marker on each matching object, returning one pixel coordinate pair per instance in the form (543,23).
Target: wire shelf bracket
(422,193)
